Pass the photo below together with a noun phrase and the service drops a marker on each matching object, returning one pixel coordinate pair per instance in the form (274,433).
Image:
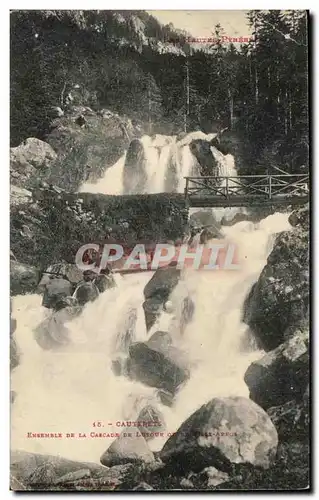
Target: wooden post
(270,187)
(186,188)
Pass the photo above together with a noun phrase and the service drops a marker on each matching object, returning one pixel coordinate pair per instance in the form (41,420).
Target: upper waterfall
(159,164)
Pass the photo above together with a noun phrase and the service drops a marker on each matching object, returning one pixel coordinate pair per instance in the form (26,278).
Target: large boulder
(222,433)
(127,449)
(29,161)
(209,233)
(55,290)
(152,309)
(160,340)
(280,298)
(134,173)
(158,364)
(281,375)
(151,414)
(86,292)
(31,471)
(53,333)
(162,283)
(23,278)
(69,272)
(165,397)
(104,282)
(201,149)
(157,292)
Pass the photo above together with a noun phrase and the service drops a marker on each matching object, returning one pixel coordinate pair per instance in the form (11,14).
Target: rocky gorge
(257,441)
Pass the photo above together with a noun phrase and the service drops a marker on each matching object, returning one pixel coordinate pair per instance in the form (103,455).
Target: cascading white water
(66,391)
(161,153)
(167,162)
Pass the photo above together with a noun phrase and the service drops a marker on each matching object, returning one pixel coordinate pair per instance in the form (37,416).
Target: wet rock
(202,440)
(162,283)
(160,340)
(201,149)
(56,290)
(52,332)
(127,449)
(64,302)
(204,218)
(158,366)
(69,272)
(232,219)
(280,298)
(104,282)
(188,309)
(23,278)
(134,173)
(152,310)
(120,365)
(280,375)
(157,292)
(126,332)
(151,414)
(165,397)
(86,292)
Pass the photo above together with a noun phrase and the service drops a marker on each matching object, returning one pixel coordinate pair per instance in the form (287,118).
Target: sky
(200,23)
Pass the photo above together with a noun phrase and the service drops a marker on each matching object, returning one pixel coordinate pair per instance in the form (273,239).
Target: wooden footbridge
(247,190)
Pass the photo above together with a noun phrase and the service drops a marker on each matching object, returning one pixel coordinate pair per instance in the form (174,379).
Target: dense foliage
(122,61)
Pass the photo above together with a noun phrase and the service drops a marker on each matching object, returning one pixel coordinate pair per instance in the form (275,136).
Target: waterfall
(67,390)
(165,162)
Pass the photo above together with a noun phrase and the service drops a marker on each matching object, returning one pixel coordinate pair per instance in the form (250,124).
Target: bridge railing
(263,186)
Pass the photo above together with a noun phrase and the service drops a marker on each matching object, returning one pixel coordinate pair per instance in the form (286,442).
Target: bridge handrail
(266,185)
(244,176)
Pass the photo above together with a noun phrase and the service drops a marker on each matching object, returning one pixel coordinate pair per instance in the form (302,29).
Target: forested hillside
(126,62)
